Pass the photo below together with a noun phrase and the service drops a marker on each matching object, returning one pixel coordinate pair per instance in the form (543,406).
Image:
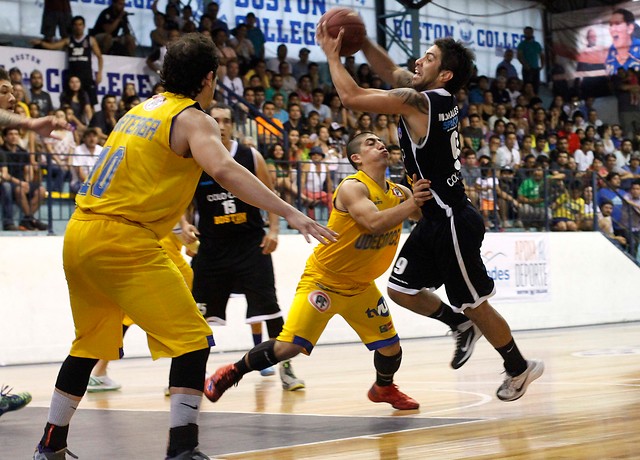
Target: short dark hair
(187,62)
(394,148)
(611,175)
(458,59)
(104,99)
(4,75)
(355,145)
(627,15)
(77,18)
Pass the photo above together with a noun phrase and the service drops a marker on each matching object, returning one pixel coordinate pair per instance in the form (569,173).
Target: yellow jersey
(358,256)
(567,207)
(138,179)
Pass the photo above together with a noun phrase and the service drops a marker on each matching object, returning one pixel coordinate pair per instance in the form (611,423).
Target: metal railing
(524,201)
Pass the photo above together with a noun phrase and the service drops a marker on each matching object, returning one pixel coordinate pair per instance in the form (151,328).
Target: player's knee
(188,370)
(73,377)
(404,299)
(262,356)
(286,350)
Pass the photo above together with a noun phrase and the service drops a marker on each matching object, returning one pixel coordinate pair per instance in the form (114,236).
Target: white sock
(62,409)
(184,409)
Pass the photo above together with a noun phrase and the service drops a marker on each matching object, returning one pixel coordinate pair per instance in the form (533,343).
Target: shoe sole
(101,390)
(535,373)
(293,387)
(472,346)
(268,373)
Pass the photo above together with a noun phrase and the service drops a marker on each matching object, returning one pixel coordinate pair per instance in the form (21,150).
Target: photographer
(112,31)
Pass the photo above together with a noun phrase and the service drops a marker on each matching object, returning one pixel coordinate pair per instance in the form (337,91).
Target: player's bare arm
(353,96)
(384,67)
(198,134)
(353,197)
(412,98)
(43,125)
(270,241)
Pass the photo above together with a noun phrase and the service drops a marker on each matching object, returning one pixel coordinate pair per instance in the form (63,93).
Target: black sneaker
(10,228)
(39,225)
(466,335)
(26,224)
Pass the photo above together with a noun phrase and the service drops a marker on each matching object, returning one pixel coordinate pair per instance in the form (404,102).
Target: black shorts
(445,251)
(238,267)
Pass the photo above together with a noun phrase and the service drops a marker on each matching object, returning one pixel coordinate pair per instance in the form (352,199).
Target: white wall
(590,282)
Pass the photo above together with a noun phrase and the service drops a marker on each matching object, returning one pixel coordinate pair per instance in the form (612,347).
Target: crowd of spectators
(525,163)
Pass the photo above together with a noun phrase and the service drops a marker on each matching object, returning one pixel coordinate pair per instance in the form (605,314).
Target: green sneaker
(10,402)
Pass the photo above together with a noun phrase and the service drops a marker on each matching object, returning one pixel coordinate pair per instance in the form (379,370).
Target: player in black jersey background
(444,248)
(235,252)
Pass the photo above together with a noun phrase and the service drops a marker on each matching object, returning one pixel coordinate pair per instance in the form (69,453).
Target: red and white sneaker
(392,395)
(220,381)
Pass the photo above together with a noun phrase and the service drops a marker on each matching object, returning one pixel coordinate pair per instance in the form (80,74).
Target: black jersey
(222,215)
(79,57)
(436,157)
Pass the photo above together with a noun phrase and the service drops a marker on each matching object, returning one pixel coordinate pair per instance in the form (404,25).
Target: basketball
(354,29)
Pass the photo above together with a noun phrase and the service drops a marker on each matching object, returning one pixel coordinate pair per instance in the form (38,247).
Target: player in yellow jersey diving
(340,279)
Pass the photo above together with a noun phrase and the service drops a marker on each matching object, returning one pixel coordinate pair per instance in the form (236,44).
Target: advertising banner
(519,265)
(487,27)
(118,71)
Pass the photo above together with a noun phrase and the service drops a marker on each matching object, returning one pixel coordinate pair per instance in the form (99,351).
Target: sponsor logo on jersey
(155,102)
(455,177)
(381,309)
(237,218)
(386,327)
(320,301)
(368,241)
(448,115)
(218,196)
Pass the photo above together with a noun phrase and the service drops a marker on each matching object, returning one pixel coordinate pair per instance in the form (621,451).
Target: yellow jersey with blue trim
(358,256)
(138,179)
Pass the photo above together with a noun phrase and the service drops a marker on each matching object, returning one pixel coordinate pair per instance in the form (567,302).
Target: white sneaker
(102,383)
(514,387)
(289,380)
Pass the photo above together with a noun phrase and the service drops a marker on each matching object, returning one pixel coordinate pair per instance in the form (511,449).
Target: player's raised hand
(330,46)
(310,228)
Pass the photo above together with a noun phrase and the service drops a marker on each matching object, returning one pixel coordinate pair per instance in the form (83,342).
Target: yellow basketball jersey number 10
(102,172)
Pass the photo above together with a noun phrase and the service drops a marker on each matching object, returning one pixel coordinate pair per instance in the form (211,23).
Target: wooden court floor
(585,406)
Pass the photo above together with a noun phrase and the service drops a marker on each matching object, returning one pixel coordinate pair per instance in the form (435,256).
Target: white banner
(118,71)
(487,27)
(519,265)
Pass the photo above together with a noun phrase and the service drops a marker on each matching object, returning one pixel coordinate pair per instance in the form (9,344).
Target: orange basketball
(354,29)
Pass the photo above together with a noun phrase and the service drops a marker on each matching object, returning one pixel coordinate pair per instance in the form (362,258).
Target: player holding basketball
(114,264)
(444,248)
(340,279)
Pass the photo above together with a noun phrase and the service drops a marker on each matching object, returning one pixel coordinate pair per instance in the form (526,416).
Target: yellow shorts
(173,245)
(115,269)
(315,304)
